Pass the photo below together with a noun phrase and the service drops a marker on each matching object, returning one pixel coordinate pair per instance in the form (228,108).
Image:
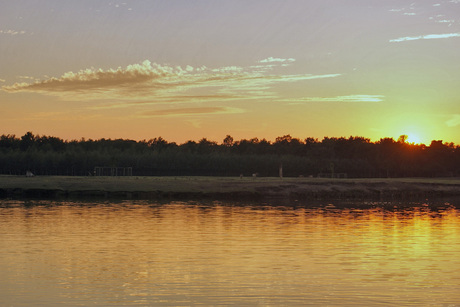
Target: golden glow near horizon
(143,69)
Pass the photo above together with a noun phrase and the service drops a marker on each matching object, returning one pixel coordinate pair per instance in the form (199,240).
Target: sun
(413,139)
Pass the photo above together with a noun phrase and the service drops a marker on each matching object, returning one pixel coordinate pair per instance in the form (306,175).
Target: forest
(352,157)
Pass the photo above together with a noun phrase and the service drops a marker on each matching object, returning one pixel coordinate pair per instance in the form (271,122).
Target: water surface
(189,253)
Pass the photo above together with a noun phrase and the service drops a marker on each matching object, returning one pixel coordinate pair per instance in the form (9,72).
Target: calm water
(181,254)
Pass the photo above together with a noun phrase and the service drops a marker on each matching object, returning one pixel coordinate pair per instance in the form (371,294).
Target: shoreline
(226,188)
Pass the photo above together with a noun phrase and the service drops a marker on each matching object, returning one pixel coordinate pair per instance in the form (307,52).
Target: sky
(186,69)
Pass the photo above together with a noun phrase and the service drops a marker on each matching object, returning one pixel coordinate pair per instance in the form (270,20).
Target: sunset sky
(184,69)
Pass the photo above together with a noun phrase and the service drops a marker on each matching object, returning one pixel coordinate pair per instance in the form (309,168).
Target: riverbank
(226,188)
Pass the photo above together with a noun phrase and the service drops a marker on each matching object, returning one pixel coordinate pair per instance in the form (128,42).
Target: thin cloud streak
(290,78)
(12,32)
(272,60)
(429,36)
(349,98)
(454,121)
(168,100)
(191,111)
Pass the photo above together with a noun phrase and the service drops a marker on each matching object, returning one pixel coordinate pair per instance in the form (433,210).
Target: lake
(214,253)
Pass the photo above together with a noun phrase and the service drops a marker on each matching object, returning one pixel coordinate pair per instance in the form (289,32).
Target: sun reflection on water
(221,253)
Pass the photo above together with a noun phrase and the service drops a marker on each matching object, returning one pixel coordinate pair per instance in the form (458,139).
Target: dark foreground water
(182,254)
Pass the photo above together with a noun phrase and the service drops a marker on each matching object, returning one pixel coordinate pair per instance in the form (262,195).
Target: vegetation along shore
(288,168)
(225,188)
(353,157)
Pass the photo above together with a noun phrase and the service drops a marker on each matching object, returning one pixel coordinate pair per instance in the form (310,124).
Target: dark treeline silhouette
(353,156)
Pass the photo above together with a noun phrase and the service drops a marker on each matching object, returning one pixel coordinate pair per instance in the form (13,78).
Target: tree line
(352,156)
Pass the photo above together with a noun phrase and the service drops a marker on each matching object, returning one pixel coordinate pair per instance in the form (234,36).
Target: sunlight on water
(142,253)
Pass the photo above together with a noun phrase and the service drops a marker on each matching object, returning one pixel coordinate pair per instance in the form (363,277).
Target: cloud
(52,115)
(272,60)
(290,78)
(270,63)
(58,116)
(192,111)
(161,83)
(350,98)
(2,80)
(429,36)
(411,7)
(227,69)
(26,77)
(169,100)
(121,5)
(454,121)
(137,79)
(12,32)
(446,21)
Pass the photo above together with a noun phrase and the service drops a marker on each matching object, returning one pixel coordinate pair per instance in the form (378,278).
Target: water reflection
(184,253)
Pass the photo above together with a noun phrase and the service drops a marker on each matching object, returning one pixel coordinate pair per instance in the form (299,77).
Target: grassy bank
(225,187)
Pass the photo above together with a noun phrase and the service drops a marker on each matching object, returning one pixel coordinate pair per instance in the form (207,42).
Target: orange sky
(143,69)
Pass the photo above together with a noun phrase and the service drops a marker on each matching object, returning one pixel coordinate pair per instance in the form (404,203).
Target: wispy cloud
(162,83)
(448,22)
(429,36)
(2,80)
(272,60)
(454,121)
(270,63)
(226,69)
(53,115)
(180,99)
(191,111)
(412,7)
(26,77)
(349,98)
(289,78)
(59,116)
(12,32)
(120,5)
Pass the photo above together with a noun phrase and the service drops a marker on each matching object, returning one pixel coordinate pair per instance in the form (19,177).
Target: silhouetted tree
(228,141)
